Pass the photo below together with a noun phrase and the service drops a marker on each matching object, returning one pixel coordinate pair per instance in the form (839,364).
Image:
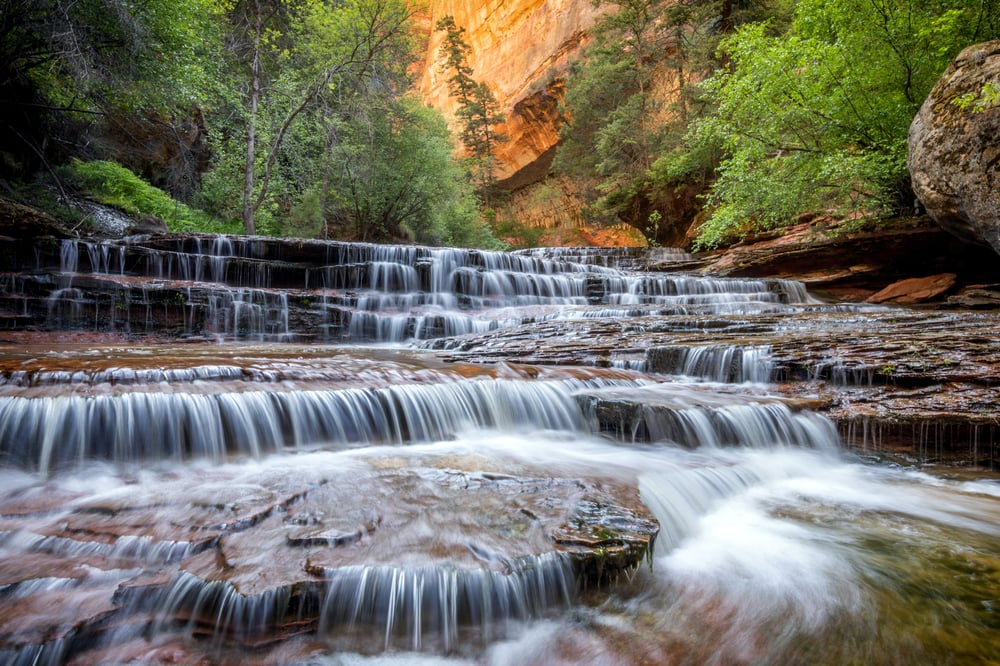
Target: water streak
(237,288)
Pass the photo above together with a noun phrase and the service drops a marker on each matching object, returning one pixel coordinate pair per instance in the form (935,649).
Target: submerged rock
(413,550)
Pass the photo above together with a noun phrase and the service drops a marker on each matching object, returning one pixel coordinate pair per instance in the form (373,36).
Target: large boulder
(954,143)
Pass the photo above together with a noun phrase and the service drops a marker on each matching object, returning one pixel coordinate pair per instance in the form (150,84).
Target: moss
(111,184)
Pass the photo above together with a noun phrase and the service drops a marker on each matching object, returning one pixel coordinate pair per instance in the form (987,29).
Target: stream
(231,450)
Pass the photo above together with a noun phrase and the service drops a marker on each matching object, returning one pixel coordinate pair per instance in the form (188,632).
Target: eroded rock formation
(908,382)
(521,49)
(845,262)
(954,157)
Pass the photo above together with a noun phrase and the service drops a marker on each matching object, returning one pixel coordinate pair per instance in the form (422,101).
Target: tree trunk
(249,226)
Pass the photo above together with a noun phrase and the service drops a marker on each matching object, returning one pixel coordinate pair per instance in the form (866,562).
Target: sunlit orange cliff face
(521,49)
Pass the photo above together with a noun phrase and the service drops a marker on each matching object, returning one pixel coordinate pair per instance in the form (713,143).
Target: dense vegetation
(297,116)
(777,108)
(274,116)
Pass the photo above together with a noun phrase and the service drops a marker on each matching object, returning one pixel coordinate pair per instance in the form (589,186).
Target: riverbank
(843,260)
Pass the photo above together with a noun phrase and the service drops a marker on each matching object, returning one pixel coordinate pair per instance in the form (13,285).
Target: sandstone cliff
(521,49)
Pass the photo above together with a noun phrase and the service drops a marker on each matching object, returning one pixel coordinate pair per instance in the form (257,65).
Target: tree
(814,117)
(305,62)
(395,178)
(342,150)
(477,107)
(629,99)
(66,67)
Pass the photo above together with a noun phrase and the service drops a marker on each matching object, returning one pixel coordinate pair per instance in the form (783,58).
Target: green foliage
(464,225)
(622,142)
(514,232)
(396,177)
(653,227)
(92,54)
(309,130)
(815,116)
(788,106)
(114,185)
(609,101)
(341,151)
(70,72)
(985,98)
(305,219)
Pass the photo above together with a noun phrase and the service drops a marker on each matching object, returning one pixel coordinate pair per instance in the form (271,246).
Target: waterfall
(437,602)
(490,494)
(228,287)
(47,433)
(718,363)
(769,425)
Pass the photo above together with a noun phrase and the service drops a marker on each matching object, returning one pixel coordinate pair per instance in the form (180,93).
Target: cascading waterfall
(46,433)
(770,425)
(334,502)
(693,417)
(717,363)
(238,288)
(435,603)
(142,550)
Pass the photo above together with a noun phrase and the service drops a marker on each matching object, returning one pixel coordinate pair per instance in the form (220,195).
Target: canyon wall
(521,49)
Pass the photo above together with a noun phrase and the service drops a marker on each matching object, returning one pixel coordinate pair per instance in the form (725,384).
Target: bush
(813,117)
(111,184)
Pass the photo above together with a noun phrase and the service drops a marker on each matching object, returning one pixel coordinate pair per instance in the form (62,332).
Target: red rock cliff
(521,49)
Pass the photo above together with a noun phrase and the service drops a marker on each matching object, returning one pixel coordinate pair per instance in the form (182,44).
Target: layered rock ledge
(895,380)
(405,549)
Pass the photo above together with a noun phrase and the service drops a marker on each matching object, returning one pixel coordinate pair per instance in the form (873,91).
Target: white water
(759,549)
(316,508)
(229,289)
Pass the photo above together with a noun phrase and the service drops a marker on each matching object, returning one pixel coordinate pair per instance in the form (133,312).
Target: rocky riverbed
(232,450)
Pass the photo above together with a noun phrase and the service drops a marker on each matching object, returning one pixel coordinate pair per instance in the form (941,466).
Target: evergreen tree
(477,107)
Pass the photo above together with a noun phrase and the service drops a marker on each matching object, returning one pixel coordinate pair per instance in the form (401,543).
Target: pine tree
(477,107)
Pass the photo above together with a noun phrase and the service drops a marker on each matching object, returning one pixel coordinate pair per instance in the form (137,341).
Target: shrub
(111,184)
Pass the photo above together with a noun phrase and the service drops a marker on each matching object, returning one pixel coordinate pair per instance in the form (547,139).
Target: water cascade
(247,450)
(256,289)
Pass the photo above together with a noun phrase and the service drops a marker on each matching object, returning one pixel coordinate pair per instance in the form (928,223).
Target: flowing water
(307,480)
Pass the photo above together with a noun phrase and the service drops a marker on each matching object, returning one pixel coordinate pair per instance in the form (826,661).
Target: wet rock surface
(257,556)
(278,501)
(913,382)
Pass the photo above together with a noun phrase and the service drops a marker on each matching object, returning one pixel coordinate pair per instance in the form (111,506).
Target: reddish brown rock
(915,290)
(258,559)
(839,261)
(522,50)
